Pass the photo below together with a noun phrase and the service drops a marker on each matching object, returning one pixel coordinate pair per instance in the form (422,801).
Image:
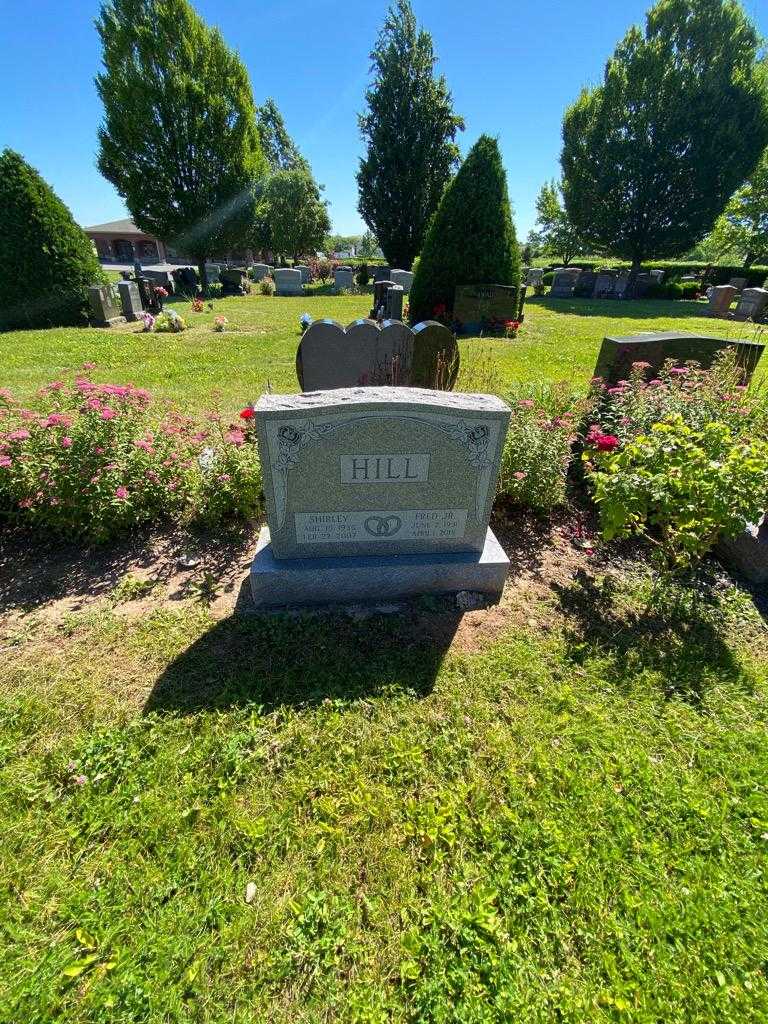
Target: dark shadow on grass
(682,643)
(632,309)
(274,660)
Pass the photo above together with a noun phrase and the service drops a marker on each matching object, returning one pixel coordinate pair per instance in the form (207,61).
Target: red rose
(246,414)
(606,442)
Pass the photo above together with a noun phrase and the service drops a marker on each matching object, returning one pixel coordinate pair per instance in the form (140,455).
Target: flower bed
(95,460)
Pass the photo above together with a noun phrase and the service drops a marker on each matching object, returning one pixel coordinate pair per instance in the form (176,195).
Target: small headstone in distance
(343,280)
(720,299)
(752,305)
(130,299)
(288,281)
(105,305)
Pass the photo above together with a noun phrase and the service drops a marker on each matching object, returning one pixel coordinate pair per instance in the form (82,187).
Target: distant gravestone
(620,286)
(393,303)
(130,300)
(720,299)
(753,305)
(475,305)
(617,354)
(604,285)
(212,273)
(585,284)
(343,280)
(379,307)
(306,277)
(163,278)
(378,493)
(366,354)
(186,280)
(402,277)
(234,281)
(149,298)
(288,281)
(564,283)
(534,277)
(105,305)
(739,283)
(259,271)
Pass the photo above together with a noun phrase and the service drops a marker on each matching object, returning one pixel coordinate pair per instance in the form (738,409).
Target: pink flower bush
(95,460)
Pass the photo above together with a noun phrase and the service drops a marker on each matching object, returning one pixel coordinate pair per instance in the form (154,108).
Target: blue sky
(512,65)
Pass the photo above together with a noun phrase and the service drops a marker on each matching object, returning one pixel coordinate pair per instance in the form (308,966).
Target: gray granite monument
(753,305)
(402,277)
(288,281)
(306,277)
(617,354)
(604,284)
(720,299)
(105,305)
(378,493)
(564,283)
(534,276)
(367,354)
(343,280)
(259,271)
(393,303)
(130,300)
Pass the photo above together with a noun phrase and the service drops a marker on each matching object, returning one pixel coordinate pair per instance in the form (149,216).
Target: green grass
(554,812)
(559,341)
(570,824)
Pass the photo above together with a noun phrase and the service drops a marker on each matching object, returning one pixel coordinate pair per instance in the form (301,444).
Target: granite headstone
(564,283)
(752,305)
(617,354)
(475,305)
(288,281)
(130,299)
(720,299)
(105,305)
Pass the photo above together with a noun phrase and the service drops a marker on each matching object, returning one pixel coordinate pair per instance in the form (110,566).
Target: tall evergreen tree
(279,149)
(651,156)
(46,261)
(471,238)
(179,139)
(409,131)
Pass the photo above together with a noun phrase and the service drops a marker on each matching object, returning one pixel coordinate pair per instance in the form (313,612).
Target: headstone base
(747,552)
(111,323)
(313,581)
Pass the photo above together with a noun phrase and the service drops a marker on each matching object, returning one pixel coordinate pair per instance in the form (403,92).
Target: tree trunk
(749,259)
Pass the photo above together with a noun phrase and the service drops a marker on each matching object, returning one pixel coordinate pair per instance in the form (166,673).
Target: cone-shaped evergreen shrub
(471,237)
(46,261)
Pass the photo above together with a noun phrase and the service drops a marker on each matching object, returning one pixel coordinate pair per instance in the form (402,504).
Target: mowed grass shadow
(682,644)
(275,660)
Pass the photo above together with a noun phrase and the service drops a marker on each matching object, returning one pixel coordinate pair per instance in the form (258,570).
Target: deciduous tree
(179,139)
(651,156)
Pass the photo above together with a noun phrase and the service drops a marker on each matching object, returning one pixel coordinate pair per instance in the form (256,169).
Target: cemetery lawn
(559,341)
(552,810)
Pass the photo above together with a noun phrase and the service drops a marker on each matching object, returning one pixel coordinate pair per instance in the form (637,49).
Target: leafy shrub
(698,396)
(363,276)
(46,261)
(267,286)
(548,278)
(471,237)
(96,460)
(680,488)
(537,449)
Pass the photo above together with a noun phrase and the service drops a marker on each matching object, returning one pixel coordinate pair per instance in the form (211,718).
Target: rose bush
(95,460)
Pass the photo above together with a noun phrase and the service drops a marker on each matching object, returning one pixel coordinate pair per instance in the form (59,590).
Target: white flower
(206,458)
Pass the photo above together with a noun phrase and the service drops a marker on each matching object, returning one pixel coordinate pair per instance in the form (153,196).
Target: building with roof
(120,241)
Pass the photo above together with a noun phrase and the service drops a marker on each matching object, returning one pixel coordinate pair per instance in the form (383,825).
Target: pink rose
(66,442)
(121,492)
